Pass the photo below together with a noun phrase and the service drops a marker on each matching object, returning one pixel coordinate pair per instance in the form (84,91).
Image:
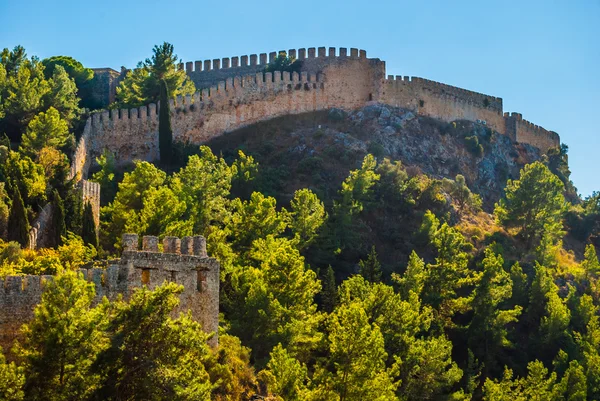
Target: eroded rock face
(442,149)
(340,139)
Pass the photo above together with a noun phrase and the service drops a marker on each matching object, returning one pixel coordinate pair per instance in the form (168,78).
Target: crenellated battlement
(525,131)
(235,92)
(263,59)
(183,261)
(448,92)
(22,286)
(206,73)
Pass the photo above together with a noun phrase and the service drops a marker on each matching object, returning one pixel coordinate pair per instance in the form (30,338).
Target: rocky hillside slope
(318,149)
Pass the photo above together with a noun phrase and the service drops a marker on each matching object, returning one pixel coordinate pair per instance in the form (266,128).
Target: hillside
(328,235)
(316,150)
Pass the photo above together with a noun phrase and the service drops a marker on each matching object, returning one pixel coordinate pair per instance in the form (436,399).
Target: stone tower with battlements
(183,261)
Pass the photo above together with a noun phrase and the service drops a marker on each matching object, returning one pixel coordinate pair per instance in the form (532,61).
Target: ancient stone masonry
(90,192)
(38,234)
(235,92)
(103,87)
(526,132)
(183,261)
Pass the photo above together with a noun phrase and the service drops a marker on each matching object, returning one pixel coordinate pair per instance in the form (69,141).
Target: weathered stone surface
(198,274)
(235,95)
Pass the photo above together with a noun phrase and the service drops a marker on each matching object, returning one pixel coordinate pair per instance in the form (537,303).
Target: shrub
(473,145)
(310,164)
(376,149)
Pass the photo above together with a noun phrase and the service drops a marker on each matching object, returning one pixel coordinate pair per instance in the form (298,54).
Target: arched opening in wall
(370,97)
(421,103)
(173,276)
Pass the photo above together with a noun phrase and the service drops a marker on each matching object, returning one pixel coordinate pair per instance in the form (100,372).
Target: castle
(236,92)
(183,261)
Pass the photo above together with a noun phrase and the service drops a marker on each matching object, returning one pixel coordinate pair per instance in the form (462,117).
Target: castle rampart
(235,92)
(444,102)
(218,70)
(524,131)
(183,261)
(38,233)
(90,193)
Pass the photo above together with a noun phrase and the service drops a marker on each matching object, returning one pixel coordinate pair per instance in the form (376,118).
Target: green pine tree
(59,229)
(88,230)
(329,292)
(371,268)
(165,132)
(17,220)
(61,341)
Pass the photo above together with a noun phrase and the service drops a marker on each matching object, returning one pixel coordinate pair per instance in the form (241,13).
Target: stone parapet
(198,273)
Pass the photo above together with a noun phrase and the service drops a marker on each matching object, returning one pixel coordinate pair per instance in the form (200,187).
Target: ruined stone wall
(183,261)
(18,297)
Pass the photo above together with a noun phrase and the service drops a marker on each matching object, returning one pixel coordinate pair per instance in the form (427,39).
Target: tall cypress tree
(18,224)
(58,228)
(88,230)
(165,132)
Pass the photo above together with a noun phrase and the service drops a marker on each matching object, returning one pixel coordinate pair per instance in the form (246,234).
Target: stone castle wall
(235,92)
(444,102)
(38,233)
(90,192)
(527,132)
(182,261)
(344,82)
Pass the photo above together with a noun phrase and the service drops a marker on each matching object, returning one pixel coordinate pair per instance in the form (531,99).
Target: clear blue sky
(541,57)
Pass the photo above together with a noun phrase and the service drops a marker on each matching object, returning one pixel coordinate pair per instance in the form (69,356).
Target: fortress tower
(183,261)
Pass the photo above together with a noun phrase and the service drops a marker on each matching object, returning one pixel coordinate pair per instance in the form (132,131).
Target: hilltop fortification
(235,92)
(183,261)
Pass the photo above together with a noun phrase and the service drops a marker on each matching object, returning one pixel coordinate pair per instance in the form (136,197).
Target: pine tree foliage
(89,233)
(12,380)
(329,294)
(59,228)
(370,269)
(18,222)
(61,340)
(533,205)
(142,84)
